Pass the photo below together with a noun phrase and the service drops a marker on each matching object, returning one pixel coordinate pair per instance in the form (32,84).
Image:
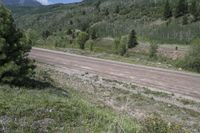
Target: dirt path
(187,84)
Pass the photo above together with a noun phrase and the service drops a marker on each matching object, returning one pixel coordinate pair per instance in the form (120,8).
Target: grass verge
(52,110)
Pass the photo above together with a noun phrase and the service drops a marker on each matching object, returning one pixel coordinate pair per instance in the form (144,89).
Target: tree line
(182,8)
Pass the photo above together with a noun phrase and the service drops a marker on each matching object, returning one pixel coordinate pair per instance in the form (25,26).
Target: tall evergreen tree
(181,8)
(15,65)
(167,11)
(132,40)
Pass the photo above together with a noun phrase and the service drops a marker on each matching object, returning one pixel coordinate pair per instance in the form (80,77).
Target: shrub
(91,45)
(132,40)
(192,59)
(117,44)
(93,35)
(185,20)
(153,50)
(155,124)
(81,39)
(123,46)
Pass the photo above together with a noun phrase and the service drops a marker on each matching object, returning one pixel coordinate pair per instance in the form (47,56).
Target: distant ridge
(21,2)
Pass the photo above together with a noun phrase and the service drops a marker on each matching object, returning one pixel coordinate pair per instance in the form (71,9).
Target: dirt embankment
(128,98)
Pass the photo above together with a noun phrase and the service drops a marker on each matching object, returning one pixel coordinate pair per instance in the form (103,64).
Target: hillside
(20,2)
(111,18)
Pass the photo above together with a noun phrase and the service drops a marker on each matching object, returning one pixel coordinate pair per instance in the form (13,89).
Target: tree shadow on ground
(36,84)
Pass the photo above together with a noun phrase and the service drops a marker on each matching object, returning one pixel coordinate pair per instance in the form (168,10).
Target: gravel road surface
(183,83)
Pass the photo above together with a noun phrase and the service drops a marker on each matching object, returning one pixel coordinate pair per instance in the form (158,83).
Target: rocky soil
(128,98)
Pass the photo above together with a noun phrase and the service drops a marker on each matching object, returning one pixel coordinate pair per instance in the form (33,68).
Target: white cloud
(44,2)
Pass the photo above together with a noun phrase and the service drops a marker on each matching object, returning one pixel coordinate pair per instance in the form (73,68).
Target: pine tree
(15,65)
(167,11)
(132,40)
(182,8)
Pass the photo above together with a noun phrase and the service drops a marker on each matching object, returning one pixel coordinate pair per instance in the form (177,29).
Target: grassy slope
(48,109)
(145,16)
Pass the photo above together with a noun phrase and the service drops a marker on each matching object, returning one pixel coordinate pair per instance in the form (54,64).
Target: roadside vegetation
(52,109)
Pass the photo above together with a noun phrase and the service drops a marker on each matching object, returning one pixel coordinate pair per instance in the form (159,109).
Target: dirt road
(187,84)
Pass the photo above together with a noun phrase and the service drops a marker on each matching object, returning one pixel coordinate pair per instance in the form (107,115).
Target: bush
(192,59)
(185,20)
(155,124)
(132,40)
(91,45)
(81,39)
(153,50)
(117,44)
(123,46)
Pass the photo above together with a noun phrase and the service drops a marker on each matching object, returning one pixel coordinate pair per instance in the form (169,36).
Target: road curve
(183,83)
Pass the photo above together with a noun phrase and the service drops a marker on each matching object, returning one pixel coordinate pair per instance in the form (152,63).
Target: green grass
(34,110)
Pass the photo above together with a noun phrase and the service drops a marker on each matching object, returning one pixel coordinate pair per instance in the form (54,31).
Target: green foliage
(153,50)
(132,40)
(56,110)
(93,35)
(192,59)
(81,39)
(194,10)
(14,47)
(106,12)
(69,32)
(117,9)
(181,8)
(117,44)
(123,46)
(32,35)
(91,45)
(97,5)
(167,10)
(46,34)
(155,124)
(145,19)
(185,20)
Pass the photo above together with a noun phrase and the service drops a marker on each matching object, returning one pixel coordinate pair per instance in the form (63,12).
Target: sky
(47,2)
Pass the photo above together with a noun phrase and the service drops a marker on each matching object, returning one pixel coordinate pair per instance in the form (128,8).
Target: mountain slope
(110,18)
(21,2)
